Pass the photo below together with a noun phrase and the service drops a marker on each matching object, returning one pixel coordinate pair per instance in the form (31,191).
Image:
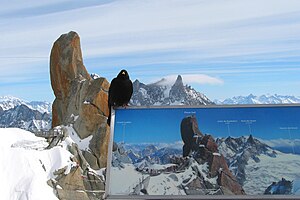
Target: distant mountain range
(163,93)
(256,165)
(33,116)
(263,99)
(36,115)
(238,151)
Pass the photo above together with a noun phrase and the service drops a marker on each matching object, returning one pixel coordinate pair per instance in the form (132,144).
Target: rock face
(205,150)
(80,100)
(217,166)
(189,130)
(79,181)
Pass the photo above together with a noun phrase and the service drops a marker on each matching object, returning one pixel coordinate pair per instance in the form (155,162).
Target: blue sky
(223,48)
(163,125)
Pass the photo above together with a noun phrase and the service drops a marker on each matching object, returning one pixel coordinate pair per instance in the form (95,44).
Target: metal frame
(109,155)
(208,197)
(210,106)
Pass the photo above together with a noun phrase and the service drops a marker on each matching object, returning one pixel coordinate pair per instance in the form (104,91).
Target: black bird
(120,91)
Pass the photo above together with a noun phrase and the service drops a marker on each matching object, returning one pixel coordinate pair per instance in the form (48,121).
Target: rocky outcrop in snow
(161,93)
(281,187)
(80,100)
(80,181)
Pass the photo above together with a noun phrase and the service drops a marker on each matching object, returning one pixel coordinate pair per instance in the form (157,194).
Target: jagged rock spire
(79,99)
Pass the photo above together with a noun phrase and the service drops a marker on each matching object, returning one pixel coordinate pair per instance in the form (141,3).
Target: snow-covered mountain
(238,151)
(152,154)
(32,116)
(9,102)
(257,165)
(163,93)
(263,99)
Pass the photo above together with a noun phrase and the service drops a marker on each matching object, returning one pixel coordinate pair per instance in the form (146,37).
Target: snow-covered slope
(268,170)
(263,99)
(130,181)
(25,165)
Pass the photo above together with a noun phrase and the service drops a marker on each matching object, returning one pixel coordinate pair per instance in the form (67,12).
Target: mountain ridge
(34,116)
(262,99)
(8,102)
(161,93)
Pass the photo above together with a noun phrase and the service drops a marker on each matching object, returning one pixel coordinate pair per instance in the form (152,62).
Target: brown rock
(229,182)
(71,181)
(79,99)
(218,162)
(70,186)
(100,150)
(209,142)
(72,195)
(218,167)
(195,126)
(196,187)
(66,66)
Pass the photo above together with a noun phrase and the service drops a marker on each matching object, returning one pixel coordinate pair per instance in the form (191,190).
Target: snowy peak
(178,91)
(33,116)
(178,82)
(150,153)
(263,99)
(164,93)
(23,117)
(9,102)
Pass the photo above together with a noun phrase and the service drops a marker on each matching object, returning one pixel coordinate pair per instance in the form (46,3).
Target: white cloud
(136,33)
(204,29)
(281,142)
(193,79)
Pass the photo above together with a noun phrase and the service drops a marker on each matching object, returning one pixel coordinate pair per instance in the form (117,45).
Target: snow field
(124,180)
(261,175)
(26,166)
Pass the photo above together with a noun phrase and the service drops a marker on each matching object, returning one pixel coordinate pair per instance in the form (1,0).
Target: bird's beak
(123,73)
